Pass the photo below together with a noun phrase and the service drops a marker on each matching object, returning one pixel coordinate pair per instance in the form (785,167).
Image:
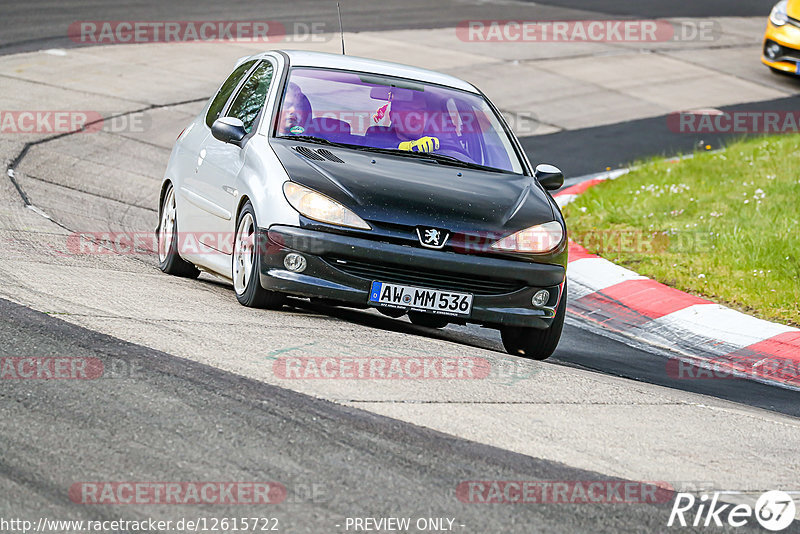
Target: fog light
(772,50)
(295,262)
(540,298)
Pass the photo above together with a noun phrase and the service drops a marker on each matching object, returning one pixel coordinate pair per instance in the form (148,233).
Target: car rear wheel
(534,343)
(427,319)
(169,260)
(247,264)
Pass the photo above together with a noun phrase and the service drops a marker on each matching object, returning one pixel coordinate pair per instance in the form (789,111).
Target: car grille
(400,274)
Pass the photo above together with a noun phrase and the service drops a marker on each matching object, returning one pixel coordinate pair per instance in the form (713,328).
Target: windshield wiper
(320,141)
(438,158)
(430,156)
(311,139)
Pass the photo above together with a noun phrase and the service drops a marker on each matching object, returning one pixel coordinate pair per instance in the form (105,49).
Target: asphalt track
(182,420)
(589,150)
(661,9)
(577,152)
(39,25)
(334,461)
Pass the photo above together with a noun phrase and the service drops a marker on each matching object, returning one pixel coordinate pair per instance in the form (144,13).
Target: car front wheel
(247,264)
(535,343)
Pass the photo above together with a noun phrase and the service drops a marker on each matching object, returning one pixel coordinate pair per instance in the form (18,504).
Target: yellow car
(781,51)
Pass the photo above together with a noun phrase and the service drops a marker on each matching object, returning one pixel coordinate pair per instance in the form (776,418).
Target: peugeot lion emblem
(432,237)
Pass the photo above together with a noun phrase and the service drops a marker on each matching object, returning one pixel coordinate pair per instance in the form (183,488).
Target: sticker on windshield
(381,117)
(297,130)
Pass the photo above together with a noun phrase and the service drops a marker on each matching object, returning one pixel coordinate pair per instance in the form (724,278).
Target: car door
(198,211)
(219,169)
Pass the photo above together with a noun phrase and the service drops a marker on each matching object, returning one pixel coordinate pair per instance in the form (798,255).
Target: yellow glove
(423,144)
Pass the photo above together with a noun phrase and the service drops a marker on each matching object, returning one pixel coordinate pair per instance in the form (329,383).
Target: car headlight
(321,208)
(778,17)
(536,239)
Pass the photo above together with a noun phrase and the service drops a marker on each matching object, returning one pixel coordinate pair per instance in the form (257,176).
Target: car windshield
(408,116)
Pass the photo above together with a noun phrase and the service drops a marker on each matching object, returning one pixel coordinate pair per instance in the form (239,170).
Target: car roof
(302,58)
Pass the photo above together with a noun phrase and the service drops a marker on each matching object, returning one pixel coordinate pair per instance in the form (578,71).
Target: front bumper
(787,37)
(322,278)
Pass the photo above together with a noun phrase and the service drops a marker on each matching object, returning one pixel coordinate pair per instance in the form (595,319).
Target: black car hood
(398,190)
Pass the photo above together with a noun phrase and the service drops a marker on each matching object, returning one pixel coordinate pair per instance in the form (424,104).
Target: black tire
(535,343)
(428,320)
(252,294)
(169,260)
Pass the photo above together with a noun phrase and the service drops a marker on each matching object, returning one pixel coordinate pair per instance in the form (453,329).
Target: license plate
(421,299)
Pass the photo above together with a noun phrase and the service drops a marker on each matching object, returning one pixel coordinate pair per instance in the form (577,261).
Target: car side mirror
(549,176)
(229,130)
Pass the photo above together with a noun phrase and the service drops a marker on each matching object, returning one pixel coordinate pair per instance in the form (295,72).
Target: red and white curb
(719,342)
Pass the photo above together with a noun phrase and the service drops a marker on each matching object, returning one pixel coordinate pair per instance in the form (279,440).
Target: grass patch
(725,225)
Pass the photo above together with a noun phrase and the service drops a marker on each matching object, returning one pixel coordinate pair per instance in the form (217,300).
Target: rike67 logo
(774,511)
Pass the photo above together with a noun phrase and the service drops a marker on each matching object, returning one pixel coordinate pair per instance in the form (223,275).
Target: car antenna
(341,30)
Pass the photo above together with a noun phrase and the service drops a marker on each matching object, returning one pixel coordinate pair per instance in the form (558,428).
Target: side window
(225,92)
(251,98)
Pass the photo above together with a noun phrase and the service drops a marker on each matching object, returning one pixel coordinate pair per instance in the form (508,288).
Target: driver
(296,111)
(408,123)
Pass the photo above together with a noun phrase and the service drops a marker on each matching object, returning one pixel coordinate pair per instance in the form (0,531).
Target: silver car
(367,184)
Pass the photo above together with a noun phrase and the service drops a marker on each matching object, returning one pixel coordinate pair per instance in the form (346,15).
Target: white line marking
(38,211)
(598,274)
(718,322)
